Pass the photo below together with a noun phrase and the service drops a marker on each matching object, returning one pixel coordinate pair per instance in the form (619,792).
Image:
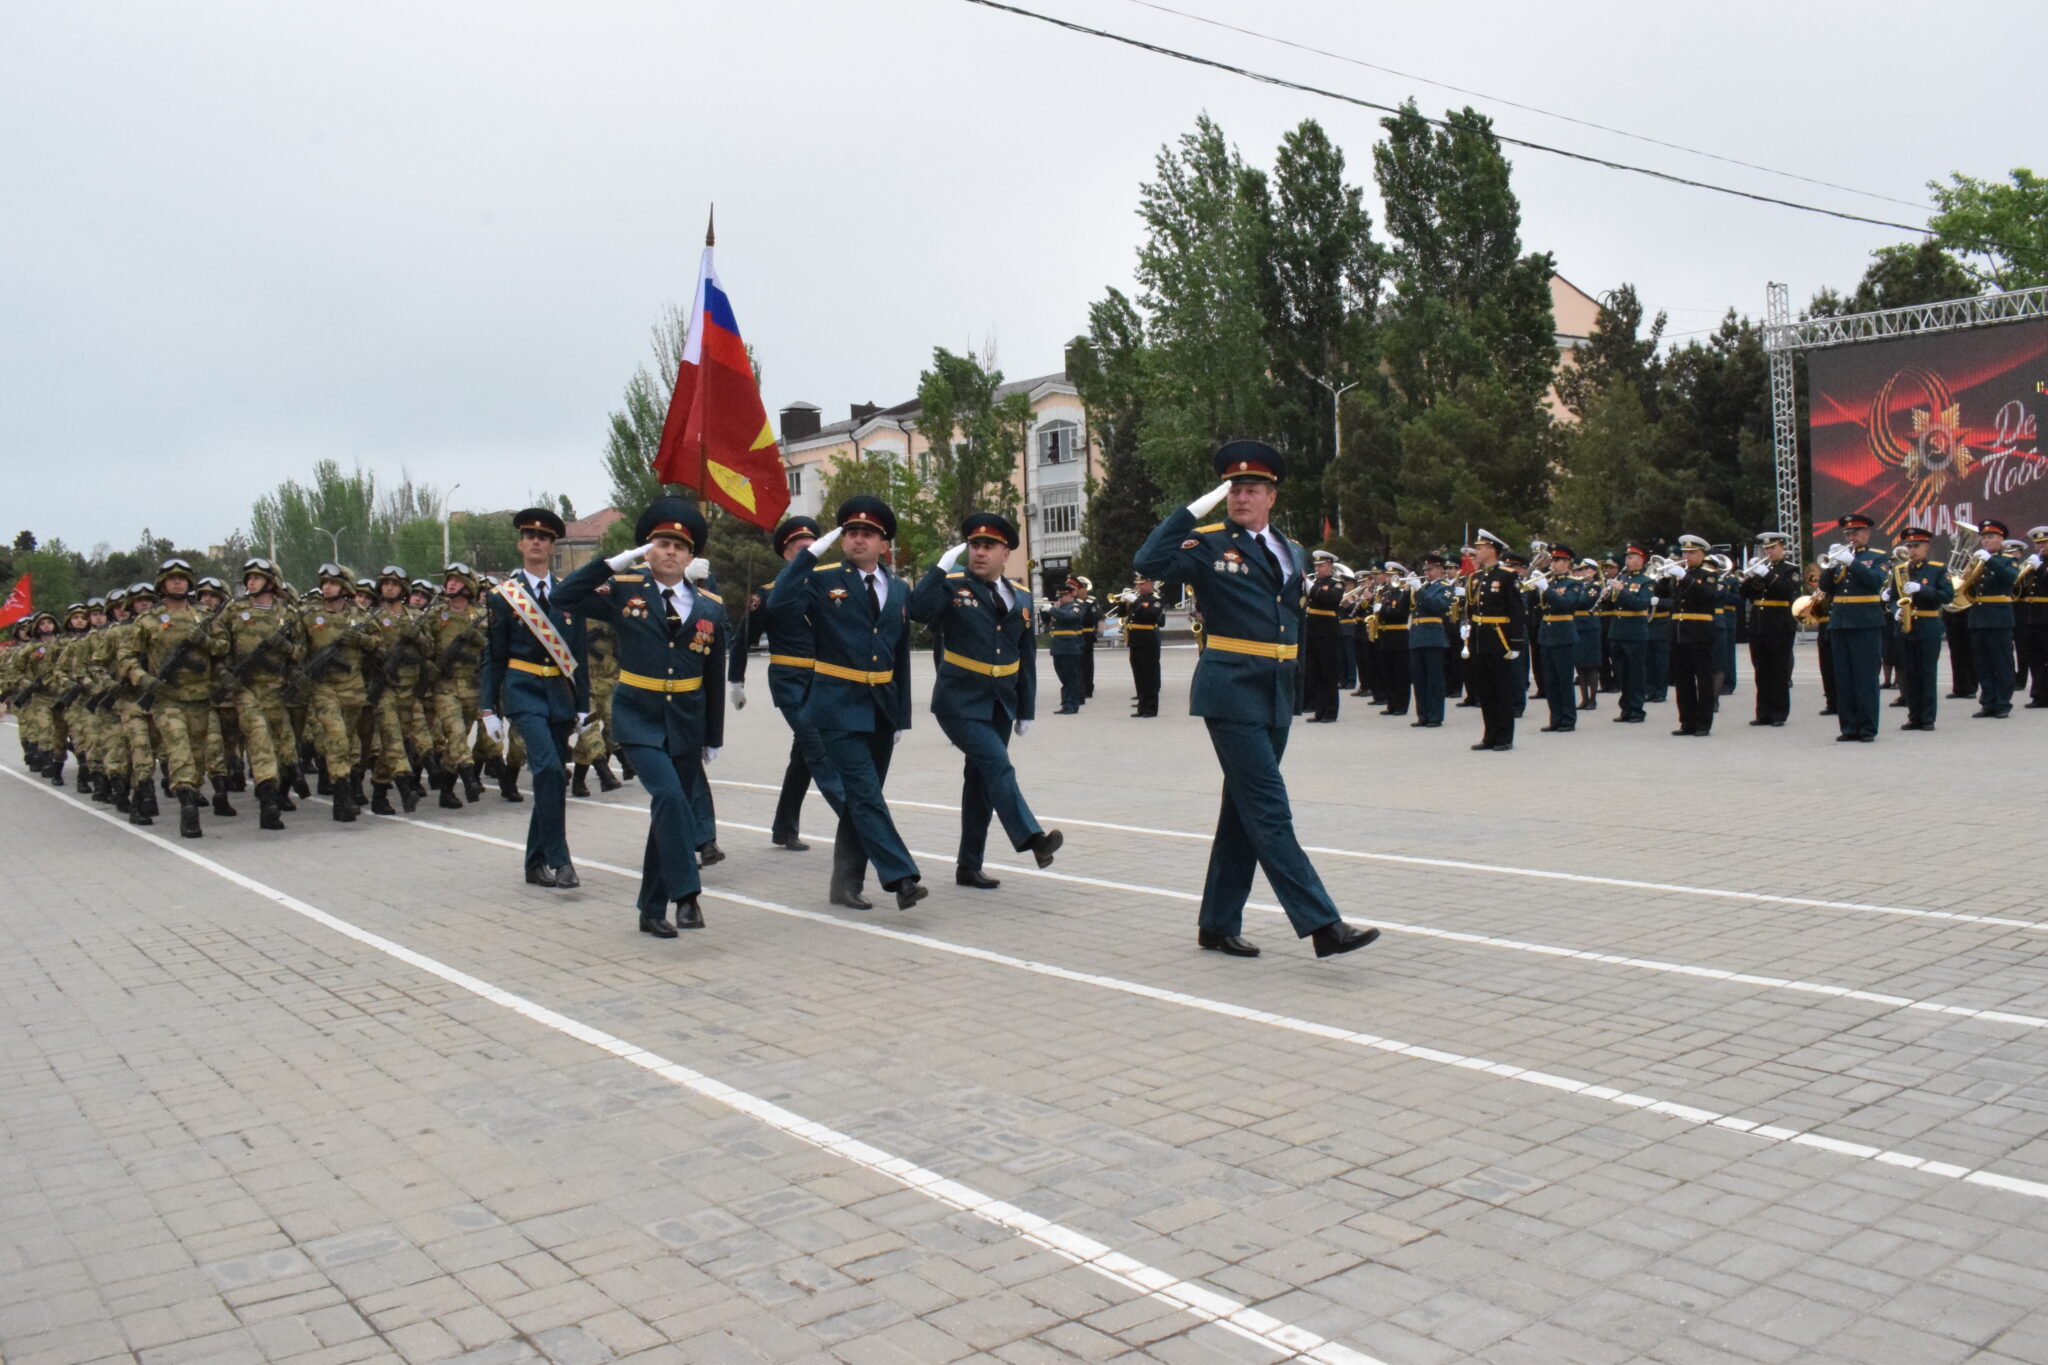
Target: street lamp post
(446,502)
(1336,425)
(333,542)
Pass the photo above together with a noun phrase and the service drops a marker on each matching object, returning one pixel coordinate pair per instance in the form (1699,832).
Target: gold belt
(1262,649)
(1628,613)
(1142,625)
(1489,620)
(1974,601)
(1843,601)
(873,678)
(791,660)
(1774,604)
(1320,611)
(647,684)
(538,670)
(977,666)
(1701,615)
(1067,632)
(1557,620)
(1393,625)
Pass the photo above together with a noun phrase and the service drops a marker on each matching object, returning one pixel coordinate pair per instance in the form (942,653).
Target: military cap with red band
(1250,460)
(865,509)
(676,517)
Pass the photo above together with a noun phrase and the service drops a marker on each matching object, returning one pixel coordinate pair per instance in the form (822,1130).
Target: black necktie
(668,597)
(540,594)
(1279,574)
(874,598)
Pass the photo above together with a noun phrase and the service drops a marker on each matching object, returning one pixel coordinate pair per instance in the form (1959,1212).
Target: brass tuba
(1963,569)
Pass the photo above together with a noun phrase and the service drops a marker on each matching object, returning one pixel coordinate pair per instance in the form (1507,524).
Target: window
(924,466)
(1062,519)
(1058,443)
(796,483)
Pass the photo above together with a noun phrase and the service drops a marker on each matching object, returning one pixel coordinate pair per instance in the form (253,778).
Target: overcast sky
(432,238)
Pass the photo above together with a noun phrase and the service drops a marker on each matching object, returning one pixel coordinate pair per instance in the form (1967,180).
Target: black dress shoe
(1556,729)
(1866,739)
(689,915)
(1777,724)
(909,892)
(1845,739)
(1482,748)
(792,843)
(974,877)
(1984,713)
(1232,945)
(1340,937)
(1686,733)
(565,876)
(657,925)
(1912,725)
(540,874)
(1502,748)
(1044,844)
(850,897)
(1827,710)
(1762,722)
(2036,705)
(710,853)
(1962,696)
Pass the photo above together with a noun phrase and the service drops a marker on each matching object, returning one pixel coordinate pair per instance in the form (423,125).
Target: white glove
(1465,632)
(895,736)
(951,559)
(1757,568)
(738,692)
(619,563)
(1514,654)
(825,542)
(1023,728)
(1460,591)
(1539,581)
(582,723)
(1411,582)
(710,755)
(494,726)
(1912,587)
(1843,555)
(1208,500)
(1981,555)
(2033,561)
(699,570)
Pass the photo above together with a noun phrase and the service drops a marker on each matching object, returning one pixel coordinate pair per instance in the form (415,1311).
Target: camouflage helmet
(75,609)
(258,565)
(421,585)
(389,572)
(366,586)
(142,590)
(336,573)
(466,575)
(174,567)
(117,597)
(212,585)
(97,603)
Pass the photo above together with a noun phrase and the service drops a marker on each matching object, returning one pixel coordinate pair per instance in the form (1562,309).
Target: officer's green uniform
(1921,632)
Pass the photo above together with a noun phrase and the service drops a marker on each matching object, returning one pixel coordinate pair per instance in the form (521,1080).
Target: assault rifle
(180,658)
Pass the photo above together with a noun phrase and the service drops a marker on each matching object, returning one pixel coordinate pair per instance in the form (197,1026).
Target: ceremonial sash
(529,612)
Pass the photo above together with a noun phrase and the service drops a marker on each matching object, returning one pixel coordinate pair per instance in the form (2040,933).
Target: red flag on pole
(717,440)
(19,603)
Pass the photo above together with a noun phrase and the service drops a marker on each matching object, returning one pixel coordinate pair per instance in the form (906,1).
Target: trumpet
(1540,558)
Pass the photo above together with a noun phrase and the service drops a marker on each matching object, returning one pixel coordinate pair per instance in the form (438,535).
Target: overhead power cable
(1516,104)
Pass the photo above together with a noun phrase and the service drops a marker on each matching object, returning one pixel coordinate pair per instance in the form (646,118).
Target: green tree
(1901,277)
(1109,367)
(1998,231)
(1716,413)
(973,438)
(1617,353)
(633,435)
(922,532)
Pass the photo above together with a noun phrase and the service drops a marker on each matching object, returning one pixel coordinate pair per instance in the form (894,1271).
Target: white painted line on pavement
(1504,870)
(1189,1296)
(1768,1132)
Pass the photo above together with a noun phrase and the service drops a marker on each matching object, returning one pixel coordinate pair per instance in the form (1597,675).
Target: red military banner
(19,603)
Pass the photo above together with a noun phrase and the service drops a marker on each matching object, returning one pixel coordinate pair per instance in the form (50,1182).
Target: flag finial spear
(710,222)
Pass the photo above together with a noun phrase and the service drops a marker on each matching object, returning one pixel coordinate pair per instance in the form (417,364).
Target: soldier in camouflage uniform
(594,748)
(66,675)
(212,596)
(169,662)
(31,697)
(126,707)
(452,642)
(260,641)
(395,734)
(110,742)
(337,638)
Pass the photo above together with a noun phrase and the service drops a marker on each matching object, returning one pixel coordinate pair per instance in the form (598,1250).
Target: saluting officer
(1923,589)
(1854,579)
(1771,584)
(534,682)
(791,659)
(1142,625)
(1693,588)
(669,707)
(1245,691)
(1429,614)
(1496,620)
(1559,599)
(987,686)
(859,619)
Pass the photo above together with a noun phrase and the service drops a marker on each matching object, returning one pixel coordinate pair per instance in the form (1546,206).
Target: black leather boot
(605,781)
(237,783)
(409,792)
(55,772)
(380,799)
(102,789)
(344,803)
(266,806)
(579,780)
(710,853)
(84,782)
(493,768)
(625,768)
(188,813)
(689,915)
(508,783)
(445,784)
(117,790)
(220,797)
(355,788)
(472,785)
(141,803)
(298,786)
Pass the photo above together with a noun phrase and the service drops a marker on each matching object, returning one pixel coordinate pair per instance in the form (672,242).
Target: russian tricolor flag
(717,440)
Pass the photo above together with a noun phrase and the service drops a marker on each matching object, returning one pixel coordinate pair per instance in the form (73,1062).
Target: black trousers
(1962,662)
(1693,679)
(1323,675)
(1827,670)
(1088,665)
(2033,647)
(1770,658)
(1491,680)
(1919,674)
(1395,670)
(1144,650)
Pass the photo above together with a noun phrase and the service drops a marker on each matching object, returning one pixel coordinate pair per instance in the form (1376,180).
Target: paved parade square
(1671,1051)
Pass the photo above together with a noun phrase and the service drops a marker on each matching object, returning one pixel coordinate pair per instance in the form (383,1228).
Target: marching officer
(987,686)
(1430,605)
(1631,598)
(792,657)
(1066,624)
(859,619)
(1990,584)
(1693,589)
(1142,625)
(670,704)
(1244,689)
(1496,619)
(1323,641)
(534,682)
(1923,590)
(1559,599)
(1770,585)
(1854,577)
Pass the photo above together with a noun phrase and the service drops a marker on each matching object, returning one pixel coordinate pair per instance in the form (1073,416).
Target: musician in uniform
(1523,659)
(2030,595)
(670,703)
(1245,690)
(1657,648)
(1770,585)
(1066,625)
(1430,607)
(1558,601)
(1631,597)
(1853,579)
(1693,588)
(1395,614)
(1989,582)
(1092,617)
(1142,625)
(987,686)
(1727,606)
(1323,641)
(1496,619)
(1610,572)
(1591,630)
(1922,589)
(859,619)
(534,681)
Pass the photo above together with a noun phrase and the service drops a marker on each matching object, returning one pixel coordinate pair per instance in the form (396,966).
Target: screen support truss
(1785,336)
